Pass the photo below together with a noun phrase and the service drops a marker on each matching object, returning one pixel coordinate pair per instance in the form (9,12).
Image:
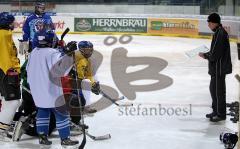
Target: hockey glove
(96,88)
(61,44)
(70,47)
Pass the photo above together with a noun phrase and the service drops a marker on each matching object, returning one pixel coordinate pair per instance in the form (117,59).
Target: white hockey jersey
(44,69)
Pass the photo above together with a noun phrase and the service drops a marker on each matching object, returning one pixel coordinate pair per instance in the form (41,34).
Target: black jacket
(219,56)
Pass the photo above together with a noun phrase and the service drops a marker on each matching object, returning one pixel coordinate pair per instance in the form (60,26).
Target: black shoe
(211,115)
(44,140)
(217,118)
(68,142)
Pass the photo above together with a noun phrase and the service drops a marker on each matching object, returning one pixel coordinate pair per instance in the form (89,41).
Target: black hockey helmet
(6,21)
(39,8)
(229,140)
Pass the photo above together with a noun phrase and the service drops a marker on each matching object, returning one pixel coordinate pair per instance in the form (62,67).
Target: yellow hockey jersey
(84,68)
(8,52)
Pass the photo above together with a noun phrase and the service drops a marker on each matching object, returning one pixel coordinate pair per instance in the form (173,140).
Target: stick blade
(121,98)
(125,104)
(99,138)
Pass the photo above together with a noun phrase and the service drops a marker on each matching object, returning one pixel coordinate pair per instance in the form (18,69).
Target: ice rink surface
(169,118)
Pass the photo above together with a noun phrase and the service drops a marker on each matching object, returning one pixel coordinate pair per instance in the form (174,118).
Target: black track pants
(218,94)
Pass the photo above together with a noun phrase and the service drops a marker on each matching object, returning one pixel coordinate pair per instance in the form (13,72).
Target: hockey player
(27,97)
(84,68)
(33,23)
(9,74)
(31,26)
(46,94)
(27,108)
(84,71)
(26,113)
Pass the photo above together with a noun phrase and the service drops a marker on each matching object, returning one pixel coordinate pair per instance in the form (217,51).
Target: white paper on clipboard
(195,51)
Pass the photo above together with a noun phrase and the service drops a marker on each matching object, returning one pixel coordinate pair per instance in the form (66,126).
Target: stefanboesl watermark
(120,61)
(155,110)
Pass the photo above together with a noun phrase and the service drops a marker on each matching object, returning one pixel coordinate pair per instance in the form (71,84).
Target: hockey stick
(99,138)
(26,89)
(114,100)
(61,43)
(64,33)
(95,138)
(80,104)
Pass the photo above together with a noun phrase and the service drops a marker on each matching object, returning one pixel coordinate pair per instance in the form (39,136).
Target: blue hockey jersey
(30,26)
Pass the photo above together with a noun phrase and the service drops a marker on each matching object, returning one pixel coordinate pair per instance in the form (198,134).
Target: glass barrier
(223,7)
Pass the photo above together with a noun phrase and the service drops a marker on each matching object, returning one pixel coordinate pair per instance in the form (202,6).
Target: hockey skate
(77,129)
(43,140)
(68,142)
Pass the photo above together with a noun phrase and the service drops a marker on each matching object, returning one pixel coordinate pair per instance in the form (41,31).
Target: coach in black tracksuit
(219,64)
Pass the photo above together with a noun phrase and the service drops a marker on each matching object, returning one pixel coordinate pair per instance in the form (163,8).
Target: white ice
(189,92)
